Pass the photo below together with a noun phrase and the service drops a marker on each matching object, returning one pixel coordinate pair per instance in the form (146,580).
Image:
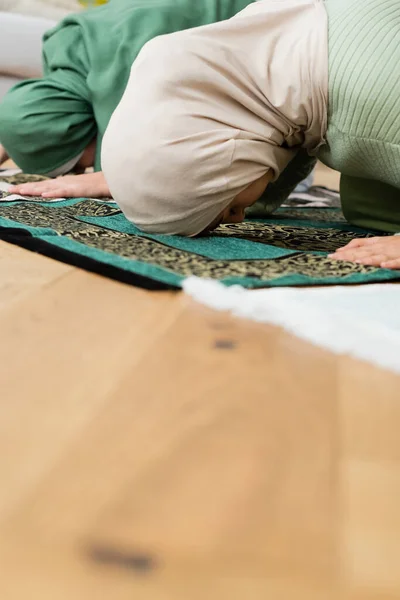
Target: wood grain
(151,448)
(21,273)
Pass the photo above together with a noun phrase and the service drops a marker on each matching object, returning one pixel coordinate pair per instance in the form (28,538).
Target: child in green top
(47,124)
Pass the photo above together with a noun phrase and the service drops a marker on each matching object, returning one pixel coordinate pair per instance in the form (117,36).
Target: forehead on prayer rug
(290,248)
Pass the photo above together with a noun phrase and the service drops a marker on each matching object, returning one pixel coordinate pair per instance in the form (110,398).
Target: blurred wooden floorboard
(153,449)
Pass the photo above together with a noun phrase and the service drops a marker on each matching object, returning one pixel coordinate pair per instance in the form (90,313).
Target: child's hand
(89,185)
(376,252)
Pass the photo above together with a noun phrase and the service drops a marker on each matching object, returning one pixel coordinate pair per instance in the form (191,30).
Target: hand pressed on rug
(89,185)
(381,252)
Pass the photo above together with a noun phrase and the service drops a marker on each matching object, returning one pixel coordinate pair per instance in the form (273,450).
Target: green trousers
(370,204)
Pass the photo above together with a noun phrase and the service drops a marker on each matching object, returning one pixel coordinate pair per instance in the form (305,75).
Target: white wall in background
(51,9)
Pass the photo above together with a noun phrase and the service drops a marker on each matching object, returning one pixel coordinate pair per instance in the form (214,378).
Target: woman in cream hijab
(211,115)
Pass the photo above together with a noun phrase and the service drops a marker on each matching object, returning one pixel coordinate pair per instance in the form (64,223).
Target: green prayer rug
(290,248)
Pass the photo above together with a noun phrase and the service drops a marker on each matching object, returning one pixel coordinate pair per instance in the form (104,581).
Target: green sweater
(363,137)
(364,109)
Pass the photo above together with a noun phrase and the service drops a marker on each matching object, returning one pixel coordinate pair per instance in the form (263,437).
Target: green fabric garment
(87,60)
(364,109)
(370,204)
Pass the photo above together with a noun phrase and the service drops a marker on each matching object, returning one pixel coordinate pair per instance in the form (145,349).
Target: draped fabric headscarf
(208,111)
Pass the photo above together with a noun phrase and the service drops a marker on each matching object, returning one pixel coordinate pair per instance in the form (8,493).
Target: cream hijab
(209,110)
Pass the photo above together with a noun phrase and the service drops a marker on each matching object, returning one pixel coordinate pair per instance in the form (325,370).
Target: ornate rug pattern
(290,248)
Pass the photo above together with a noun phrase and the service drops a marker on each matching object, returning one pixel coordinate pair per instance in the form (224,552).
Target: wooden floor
(152,449)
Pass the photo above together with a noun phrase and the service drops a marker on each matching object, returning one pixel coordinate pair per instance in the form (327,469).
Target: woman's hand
(89,185)
(376,252)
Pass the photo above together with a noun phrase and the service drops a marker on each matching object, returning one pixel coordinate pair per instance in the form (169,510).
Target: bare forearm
(88,185)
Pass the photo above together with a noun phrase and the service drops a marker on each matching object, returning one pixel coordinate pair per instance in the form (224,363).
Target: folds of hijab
(209,110)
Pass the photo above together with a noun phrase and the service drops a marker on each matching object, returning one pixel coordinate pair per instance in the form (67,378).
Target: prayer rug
(288,249)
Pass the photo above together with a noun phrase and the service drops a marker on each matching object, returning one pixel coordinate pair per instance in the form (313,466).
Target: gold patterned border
(69,221)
